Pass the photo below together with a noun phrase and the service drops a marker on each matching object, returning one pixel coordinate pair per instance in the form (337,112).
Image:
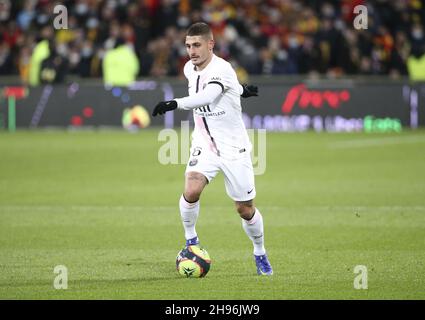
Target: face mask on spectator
(74,58)
(62,49)
(4,10)
(92,23)
(417,34)
(42,19)
(293,42)
(328,10)
(339,24)
(86,52)
(81,9)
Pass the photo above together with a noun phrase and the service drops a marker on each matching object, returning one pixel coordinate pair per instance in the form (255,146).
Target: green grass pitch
(101,204)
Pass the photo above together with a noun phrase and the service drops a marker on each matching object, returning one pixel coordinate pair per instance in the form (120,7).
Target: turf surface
(101,204)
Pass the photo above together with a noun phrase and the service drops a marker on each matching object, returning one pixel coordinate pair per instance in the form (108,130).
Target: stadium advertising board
(364,107)
(288,108)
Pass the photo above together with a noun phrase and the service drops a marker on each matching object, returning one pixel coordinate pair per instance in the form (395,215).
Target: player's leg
(200,170)
(195,183)
(252,223)
(240,186)
(190,204)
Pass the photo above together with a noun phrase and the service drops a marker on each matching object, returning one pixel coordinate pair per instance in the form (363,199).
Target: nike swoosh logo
(250,190)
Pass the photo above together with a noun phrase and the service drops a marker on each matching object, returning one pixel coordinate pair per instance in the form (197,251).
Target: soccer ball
(193,262)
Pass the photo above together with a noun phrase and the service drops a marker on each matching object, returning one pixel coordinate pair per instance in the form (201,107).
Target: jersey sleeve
(202,98)
(223,76)
(240,89)
(186,69)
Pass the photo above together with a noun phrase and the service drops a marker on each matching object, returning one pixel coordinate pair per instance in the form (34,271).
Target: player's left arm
(249,91)
(226,77)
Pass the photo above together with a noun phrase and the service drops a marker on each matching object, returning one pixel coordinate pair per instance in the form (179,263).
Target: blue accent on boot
(263,265)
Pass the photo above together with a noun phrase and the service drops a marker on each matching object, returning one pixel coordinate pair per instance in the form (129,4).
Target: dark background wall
(296,105)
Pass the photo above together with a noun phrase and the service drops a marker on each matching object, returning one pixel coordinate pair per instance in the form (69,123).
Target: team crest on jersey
(193,162)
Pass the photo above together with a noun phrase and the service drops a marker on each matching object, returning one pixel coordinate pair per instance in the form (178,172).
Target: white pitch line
(211,207)
(373,142)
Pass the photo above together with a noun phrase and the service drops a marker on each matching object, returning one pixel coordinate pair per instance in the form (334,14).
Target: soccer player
(219,141)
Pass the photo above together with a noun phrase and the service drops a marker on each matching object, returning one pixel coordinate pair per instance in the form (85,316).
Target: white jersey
(219,125)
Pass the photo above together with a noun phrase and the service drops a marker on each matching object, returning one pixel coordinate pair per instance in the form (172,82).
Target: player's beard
(199,63)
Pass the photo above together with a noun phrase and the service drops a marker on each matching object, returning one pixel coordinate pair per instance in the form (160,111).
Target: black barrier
(334,108)
(320,106)
(89,105)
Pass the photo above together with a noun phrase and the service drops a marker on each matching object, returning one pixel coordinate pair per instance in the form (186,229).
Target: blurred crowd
(257,37)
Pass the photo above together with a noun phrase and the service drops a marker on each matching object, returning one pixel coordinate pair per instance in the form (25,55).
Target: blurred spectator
(12,34)
(416,65)
(54,68)
(40,52)
(26,15)
(24,64)
(120,65)
(261,37)
(5,10)
(6,66)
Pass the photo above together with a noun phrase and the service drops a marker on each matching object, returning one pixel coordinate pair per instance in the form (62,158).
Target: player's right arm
(219,82)
(200,99)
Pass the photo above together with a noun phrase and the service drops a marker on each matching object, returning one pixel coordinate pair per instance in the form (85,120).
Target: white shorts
(238,173)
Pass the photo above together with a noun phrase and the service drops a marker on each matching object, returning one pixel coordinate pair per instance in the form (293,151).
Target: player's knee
(192,195)
(245,210)
(195,183)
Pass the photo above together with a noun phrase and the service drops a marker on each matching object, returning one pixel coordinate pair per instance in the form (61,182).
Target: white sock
(189,214)
(255,231)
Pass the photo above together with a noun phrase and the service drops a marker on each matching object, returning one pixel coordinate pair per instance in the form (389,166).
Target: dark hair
(199,29)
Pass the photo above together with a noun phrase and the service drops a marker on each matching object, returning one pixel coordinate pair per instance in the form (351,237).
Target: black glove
(249,91)
(164,106)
